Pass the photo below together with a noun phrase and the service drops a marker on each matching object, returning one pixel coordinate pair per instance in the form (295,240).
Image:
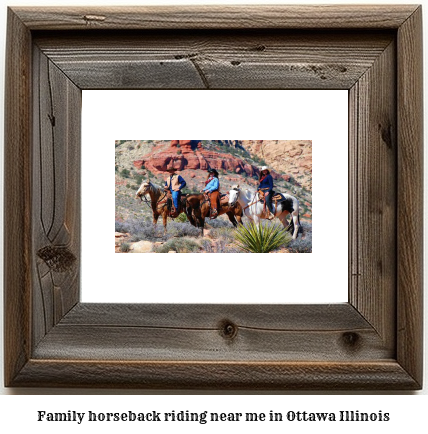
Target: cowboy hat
(170,169)
(264,168)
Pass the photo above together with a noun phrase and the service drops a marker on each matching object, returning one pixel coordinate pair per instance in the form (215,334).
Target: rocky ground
(219,237)
(150,247)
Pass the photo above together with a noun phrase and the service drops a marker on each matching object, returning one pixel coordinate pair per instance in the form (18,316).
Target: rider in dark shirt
(266,186)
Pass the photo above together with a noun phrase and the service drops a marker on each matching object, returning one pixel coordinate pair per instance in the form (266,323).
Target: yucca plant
(261,238)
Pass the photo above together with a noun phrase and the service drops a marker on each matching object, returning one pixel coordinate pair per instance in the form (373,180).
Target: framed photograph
(371,341)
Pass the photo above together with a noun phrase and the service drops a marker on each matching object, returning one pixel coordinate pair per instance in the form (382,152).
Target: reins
(148,202)
(144,199)
(252,203)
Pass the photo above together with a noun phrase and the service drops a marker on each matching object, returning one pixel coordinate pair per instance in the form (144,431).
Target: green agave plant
(261,238)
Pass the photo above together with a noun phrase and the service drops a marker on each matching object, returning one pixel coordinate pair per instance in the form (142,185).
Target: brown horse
(159,202)
(199,208)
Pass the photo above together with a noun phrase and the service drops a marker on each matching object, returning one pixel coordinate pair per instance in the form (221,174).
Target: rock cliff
(191,155)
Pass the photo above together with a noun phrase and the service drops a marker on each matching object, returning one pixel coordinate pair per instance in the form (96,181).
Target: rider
(212,189)
(266,187)
(174,183)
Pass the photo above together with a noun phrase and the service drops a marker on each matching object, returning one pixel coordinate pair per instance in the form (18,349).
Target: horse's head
(234,195)
(144,189)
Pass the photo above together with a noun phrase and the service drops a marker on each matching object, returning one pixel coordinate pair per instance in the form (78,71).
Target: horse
(199,207)
(158,202)
(255,209)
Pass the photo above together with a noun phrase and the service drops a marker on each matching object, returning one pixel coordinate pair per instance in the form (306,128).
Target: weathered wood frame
(372,342)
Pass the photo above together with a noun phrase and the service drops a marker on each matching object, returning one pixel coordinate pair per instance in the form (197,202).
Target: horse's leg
(200,223)
(248,215)
(296,222)
(196,217)
(232,219)
(255,216)
(155,218)
(165,220)
(283,219)
(190,216)
(201,219)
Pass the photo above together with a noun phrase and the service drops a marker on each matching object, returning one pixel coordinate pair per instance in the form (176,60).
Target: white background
(19,412)
(319,277)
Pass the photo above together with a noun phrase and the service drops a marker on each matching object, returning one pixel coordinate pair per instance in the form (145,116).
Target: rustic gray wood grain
(216,17)
(410,197)
(17,197)
(372,342)
(373,195)
(210,316)
(216,375)
(56,194)
(217,60)
(199,332)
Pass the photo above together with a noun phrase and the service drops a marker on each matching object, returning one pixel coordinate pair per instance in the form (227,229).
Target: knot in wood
(228,330)
(58,259)
(94,18)
(351,340)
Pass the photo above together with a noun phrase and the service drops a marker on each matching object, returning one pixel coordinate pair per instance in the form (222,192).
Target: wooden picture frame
(372,342)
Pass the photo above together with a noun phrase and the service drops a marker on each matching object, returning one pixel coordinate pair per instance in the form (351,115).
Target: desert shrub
(219,222)
(119,226)
(179,229)
(138,179)
(143,229)
(125,173)
(125,247)
(206,245)
(223,248)
(231,249)
(303,243)
(139,229)
(180,245)
(261,238)
(224,233)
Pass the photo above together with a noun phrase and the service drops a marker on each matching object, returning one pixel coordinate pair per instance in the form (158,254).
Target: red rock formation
(183,155)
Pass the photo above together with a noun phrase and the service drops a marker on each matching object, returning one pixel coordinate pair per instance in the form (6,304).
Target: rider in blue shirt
(213,185)
(212,189)
(266,186)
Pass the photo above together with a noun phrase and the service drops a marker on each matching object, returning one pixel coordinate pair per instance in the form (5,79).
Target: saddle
(276,198)
(224,199)
(207,197)
(173,212)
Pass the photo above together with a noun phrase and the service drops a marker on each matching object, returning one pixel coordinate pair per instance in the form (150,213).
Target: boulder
(141,247)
